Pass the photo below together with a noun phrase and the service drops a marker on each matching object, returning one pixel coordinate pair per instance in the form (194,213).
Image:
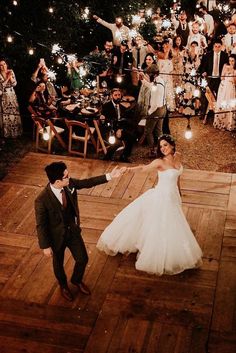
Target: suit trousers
(78,250)
(153,127)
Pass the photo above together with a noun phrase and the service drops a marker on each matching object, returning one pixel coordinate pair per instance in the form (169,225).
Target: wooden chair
(52,131)
(211,103)
(84,138)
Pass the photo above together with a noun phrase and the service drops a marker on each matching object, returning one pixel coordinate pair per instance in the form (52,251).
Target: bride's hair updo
(168,138)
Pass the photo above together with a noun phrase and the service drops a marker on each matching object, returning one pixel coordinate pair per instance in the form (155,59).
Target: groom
(58,222)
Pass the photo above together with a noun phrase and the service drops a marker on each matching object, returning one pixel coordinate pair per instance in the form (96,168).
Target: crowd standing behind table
(180,52)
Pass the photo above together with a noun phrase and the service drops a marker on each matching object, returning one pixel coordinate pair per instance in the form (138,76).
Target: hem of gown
(197,265)
(110,252)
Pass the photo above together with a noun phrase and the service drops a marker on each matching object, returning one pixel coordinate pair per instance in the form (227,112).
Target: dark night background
(31,25)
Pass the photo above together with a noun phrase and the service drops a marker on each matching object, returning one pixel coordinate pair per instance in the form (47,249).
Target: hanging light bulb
(9,39)
(119,78)
(112,138)
(14,2)
(31,51)
(45,134)
(50,9)
(188,132)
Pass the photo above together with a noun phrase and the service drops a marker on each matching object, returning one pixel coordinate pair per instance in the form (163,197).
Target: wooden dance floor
(128,311)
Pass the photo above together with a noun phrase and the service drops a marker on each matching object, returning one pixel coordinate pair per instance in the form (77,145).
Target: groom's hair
(55,171)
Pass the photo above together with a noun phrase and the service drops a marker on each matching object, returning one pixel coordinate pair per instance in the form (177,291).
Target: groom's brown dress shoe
(66,293)
(82,287)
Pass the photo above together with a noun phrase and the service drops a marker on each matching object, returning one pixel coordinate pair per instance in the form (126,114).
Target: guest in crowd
(114,120)
(229,40)
(208,20)
(10,119)
(157,109)
(226,97)
(74,74)
(165,66)
(177,60)
(196,36)
(39,104)
(144,93)
(212,64)
(119,31)
(107,53)
(121,65)
(182,26)
(40,71)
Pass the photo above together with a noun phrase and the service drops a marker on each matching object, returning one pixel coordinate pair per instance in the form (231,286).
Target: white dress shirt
(57,193)
(227,41)
(158,94)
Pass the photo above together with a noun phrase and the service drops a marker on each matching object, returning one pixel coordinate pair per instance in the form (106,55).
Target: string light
(119,78)
(59,60)
(45,134)
(50,9)
(14,2)
(9,39)
(188,132)
(31,51)
(112,138)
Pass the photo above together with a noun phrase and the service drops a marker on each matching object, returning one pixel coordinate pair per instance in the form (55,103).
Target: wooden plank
(216,177)
(205,185)
(223,319)
(232,196)
(219,201)
(128,309)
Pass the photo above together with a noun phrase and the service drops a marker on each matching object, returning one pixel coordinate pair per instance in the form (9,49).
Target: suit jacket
(48,211)
(208,62)
(110,113)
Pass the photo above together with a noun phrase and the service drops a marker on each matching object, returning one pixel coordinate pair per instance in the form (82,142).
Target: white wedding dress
(154,225)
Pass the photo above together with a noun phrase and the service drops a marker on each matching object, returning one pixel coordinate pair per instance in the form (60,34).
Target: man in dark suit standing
(211,67)
(58,222)
(114,119)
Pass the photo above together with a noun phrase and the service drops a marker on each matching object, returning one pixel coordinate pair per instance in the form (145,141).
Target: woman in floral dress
(10,120)
(224,118)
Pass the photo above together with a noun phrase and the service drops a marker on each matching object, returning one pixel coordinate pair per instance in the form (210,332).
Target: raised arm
(154,165)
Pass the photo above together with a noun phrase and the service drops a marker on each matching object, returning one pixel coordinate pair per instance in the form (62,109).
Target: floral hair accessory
(166,136)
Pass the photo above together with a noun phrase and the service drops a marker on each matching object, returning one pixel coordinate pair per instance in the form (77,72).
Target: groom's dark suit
(59,227)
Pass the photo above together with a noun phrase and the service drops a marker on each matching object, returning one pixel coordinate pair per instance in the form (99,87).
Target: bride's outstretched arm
(154,165)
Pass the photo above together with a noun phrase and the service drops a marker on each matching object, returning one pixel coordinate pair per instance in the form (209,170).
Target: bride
(154,224)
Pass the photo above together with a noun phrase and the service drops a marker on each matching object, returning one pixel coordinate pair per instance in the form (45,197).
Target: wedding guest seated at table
(39,103)
(115,122)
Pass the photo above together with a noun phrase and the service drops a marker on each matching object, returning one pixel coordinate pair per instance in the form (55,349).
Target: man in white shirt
(208,20)
(229,40)
(119,31)
(157,110)
(196,36)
